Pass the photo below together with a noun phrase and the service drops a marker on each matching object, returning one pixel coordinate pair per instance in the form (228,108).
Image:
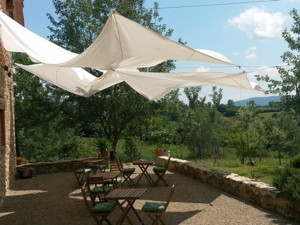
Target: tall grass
(262,170)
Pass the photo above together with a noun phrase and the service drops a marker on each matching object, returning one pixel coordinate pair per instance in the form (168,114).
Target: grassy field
(148,151)
(262,171)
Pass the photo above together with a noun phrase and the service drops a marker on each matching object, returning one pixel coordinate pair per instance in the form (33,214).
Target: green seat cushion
(128,170)
(104,207)
(83,170)
(101,189)
(113,181)
(154,207)
(101,166)
(159,169)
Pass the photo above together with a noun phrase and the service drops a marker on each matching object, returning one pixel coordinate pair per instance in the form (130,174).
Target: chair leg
(160,178)
(79,178)
(156,219)
(100,221)
(107,221)
(128,179)
(93,199)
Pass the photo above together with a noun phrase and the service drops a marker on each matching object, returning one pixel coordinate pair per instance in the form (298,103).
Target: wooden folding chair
(115,166)
(156,210)
(160,172)
(102,209)
(127,172)
(99,166)
(80,171)
(97,188)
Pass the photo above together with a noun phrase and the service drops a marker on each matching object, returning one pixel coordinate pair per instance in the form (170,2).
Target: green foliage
(197,132)
(104,144)
(131,147)
(295,162)
(52,124)
(288,178)
(264,169)
(78,26)
(247,136)
(288,86)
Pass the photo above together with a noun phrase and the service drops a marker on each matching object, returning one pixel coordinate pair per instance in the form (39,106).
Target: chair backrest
(168,163)
(85,193)
(116,166)
(94,180)
(171,193)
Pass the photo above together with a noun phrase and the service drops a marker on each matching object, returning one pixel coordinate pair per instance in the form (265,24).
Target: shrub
(295,162)
(288,178)
(131,148)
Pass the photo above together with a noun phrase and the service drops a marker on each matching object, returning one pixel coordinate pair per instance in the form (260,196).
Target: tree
(197,131)
(40,133)
(79,24)
(282,134)
(192,94)
(247,137)
(289,85)
(288,178)
(278,138)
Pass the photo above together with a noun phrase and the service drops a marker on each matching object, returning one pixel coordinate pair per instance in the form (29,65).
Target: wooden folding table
(129,196)
(143,165)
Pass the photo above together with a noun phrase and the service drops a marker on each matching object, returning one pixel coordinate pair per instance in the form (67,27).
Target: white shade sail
(122,47)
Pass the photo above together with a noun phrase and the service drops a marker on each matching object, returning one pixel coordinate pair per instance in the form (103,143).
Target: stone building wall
(13,8)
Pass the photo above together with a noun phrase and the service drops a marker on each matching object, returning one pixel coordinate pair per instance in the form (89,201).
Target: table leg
(124,214)
(140,177)
(126,211)
(146,174)
(137,215)
(151,182)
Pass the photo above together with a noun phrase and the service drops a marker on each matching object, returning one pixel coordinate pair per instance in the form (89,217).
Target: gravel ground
(54,199)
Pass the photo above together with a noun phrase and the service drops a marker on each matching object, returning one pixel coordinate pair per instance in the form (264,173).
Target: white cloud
(251,52)
(259,24)
(203,69)
(262,71)
(272,72)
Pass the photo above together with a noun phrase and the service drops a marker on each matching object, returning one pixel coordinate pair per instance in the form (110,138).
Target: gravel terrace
(54,199)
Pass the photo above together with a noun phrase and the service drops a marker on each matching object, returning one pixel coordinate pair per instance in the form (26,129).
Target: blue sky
(249,34)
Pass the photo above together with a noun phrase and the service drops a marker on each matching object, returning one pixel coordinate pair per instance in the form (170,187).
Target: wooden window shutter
(2,128)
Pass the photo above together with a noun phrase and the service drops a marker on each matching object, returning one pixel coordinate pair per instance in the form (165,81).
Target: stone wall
(7,144)
(50,167)
(13,8)
(249,190)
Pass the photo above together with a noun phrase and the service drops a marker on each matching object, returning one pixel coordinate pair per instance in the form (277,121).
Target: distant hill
(261,101)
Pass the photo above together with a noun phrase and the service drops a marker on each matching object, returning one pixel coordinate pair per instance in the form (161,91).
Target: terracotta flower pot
(159,152)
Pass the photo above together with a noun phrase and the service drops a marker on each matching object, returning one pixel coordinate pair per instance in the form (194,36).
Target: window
(9,4)
(2,128)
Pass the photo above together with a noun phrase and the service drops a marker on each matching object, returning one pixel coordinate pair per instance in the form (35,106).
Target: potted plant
(21,161)
(104,145)
(159,151)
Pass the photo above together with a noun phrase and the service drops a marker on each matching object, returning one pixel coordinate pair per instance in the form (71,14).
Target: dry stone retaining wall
(256,192)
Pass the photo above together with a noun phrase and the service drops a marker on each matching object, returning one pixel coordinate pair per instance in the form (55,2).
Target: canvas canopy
(120,50)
